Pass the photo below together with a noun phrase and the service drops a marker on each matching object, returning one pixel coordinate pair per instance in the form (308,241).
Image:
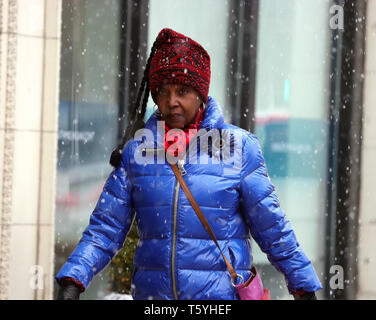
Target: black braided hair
(136,118)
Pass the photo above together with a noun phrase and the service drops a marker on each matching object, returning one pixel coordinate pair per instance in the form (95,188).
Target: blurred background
(297,73)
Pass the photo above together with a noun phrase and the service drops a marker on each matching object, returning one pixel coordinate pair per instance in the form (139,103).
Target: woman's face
(178,104)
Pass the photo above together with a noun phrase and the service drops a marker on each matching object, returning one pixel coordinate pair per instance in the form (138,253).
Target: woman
(175,257)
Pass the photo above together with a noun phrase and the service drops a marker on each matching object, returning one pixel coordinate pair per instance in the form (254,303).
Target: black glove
(305,296)
(69,291)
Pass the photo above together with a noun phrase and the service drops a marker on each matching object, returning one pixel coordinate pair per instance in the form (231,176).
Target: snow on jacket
(175,257)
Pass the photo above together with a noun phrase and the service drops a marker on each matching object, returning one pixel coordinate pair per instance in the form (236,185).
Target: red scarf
(177,136)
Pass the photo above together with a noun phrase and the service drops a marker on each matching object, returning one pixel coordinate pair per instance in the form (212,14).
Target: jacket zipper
(175,213)
(174,227)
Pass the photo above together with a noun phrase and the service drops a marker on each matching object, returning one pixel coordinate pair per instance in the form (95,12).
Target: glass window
(290,109)
(291,120)
(88,112)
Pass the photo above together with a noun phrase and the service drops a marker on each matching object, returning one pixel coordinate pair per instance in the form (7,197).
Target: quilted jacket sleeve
(104,236)
(268,223)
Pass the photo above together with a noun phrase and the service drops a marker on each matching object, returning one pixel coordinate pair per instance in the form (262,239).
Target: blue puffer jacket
(175,256)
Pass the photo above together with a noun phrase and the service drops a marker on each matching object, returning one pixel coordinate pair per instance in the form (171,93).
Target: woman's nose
(173,100)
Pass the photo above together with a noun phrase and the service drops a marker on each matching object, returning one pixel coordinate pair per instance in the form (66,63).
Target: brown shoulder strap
(201,216)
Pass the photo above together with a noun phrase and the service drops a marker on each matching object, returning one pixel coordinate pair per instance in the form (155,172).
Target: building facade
(29,86)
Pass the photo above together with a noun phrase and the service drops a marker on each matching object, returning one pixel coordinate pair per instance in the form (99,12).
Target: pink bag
(253,288)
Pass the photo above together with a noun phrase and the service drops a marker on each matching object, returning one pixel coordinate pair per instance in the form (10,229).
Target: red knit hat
(179,60)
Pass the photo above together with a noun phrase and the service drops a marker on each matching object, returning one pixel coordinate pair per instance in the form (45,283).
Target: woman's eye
(162,92)
(183,91)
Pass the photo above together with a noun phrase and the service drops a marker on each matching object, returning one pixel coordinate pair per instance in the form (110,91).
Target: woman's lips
(175,117)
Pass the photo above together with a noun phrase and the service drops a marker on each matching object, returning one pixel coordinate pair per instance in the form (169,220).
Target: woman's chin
(175,124)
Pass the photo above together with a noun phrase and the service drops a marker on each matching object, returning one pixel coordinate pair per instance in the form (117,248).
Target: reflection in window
(291,120)
(88,112)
